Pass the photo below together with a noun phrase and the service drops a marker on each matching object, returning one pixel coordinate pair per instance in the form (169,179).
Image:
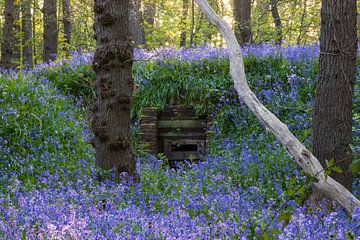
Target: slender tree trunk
(191,43)
(149,20)
(113,64)
(50,30)
(66,20)
(136,24)
(27,33)
(183,23)
(8,35)
(332,120)
(302,24)
(35,7)
(277,21)
(17,33)
(242,16)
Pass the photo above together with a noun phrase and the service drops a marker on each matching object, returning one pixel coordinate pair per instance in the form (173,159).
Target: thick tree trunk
(50,30)
(113,64)
(242,16)
(183,23)
(333,105)
(308,162)
(8,35)
(136,24)
(27,33)
(66,20)
(277,21)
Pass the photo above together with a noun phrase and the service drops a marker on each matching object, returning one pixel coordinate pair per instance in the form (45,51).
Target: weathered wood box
(177,132)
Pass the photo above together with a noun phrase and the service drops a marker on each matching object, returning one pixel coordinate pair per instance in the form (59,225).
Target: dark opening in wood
(184,147)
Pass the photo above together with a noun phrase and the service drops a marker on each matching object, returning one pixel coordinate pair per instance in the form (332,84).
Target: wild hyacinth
(49,191)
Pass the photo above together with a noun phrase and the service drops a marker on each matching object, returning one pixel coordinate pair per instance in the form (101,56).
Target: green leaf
(275,231)
(337,169)
(285,216)
(292,180)
(290,192)
(329,163)
(355,166)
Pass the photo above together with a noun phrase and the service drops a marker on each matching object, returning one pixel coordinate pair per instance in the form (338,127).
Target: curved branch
(307,161)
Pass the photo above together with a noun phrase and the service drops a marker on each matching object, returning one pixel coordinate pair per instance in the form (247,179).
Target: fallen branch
(307,161)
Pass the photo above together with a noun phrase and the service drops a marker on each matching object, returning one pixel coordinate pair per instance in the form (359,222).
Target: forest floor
(246,186)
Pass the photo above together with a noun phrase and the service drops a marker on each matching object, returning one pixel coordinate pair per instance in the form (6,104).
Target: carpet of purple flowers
(244,189)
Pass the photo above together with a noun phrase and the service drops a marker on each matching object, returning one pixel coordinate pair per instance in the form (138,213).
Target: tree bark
(308,162)
(136,25)
(8,35)
(66,20)
(34,35)
(332,122)
(50,30)
(27,33)
(277,21)
(242,16)
(17,34)
(184,14)
(192,29)
(113,64)
(302,28)
(149,20)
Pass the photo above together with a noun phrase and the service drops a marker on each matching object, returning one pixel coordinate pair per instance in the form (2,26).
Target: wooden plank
(182,155)
(182,134)
(181,123)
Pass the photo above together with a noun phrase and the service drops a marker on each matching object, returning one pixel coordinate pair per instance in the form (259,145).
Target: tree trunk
(242,16)
(34,35)
(66,20)
(183,23)
(149,20)
(113,64)
(8,35)
(302,28)
(50,31)
(333,105)
(277,21)
(17,34)
(136,25)
(308,162)
(192,29)
(27,33)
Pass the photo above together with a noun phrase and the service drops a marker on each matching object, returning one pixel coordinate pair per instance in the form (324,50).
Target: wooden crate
(177,132)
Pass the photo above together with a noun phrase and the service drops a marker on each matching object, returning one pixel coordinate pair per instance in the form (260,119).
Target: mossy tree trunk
(112,64)
(66,20)
(27,33)
(277,21)
(184,15)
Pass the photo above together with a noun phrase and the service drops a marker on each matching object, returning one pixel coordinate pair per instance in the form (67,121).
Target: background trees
(154,23)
